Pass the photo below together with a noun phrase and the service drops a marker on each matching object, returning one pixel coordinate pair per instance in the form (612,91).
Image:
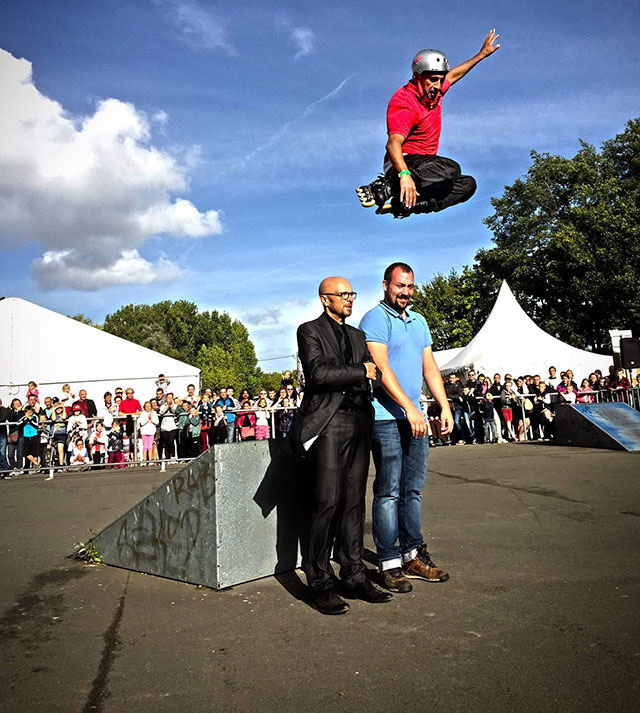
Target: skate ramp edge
(231,515)
(614,426)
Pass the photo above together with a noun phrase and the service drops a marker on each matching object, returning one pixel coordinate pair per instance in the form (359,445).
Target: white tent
(51,349)
(445,355)
(510,341)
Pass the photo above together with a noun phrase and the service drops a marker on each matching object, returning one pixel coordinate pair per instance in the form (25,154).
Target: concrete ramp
(231,515)
(614,426)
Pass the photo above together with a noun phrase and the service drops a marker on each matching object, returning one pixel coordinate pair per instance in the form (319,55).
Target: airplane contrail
(291,123)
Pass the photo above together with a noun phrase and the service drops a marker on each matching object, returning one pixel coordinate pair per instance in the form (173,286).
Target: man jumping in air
(416,179)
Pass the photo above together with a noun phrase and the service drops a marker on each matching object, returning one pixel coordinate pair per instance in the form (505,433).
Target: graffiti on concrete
(164,533)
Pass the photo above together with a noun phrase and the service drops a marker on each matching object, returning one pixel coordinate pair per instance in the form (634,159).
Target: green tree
(567,239)
(80,317)
(454,305)
(219,346)
(272,379)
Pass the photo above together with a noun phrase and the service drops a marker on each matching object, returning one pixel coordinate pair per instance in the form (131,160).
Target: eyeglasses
(343,295)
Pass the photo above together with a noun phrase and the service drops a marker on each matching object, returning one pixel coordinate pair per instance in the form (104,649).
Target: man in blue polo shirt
(400,343)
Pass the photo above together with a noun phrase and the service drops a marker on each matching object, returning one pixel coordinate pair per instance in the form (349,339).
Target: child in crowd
(45,434)
(585,394)
(468,412)
(59,431)
(31,438)
(193,429)
(79,455)
(205,409)
(219,425)
(148,426)
(434,412)
(32,390)
(99,444)
(488,418)
(67,398)
(163,383)
(262,419)
(284,419)
(116,446)
(569,395)
(247,422)
(508,400)
(76,426)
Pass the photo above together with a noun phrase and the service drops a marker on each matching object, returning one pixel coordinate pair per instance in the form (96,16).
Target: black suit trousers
(340,464)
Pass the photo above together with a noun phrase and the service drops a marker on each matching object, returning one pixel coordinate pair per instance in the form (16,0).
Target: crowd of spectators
(504,410)
(71,431)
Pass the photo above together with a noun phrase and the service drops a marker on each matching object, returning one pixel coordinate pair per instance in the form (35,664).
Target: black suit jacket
(327,377)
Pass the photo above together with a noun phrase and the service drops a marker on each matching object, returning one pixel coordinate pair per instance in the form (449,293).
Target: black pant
(167,444)
(193,446)
(439,182)
(340,464)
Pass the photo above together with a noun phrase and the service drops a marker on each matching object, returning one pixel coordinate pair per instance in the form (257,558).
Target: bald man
(334,427)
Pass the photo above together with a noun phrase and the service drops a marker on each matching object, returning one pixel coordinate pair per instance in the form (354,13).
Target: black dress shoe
(328,602)
(368,593)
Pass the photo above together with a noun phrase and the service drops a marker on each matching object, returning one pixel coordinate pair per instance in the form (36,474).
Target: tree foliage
(80,317)
(270,380)
(567,240)
(219,346)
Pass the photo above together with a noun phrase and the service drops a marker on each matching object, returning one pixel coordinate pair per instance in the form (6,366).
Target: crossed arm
(432,376)
(326,374)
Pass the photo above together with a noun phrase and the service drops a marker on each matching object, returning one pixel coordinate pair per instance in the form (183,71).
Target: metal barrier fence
(619,395)
(628,396)
(131,446)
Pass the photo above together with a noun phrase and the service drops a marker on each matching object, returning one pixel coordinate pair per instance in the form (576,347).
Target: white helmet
(429,61)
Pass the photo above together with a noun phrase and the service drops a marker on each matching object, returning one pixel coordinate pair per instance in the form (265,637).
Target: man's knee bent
(468,186)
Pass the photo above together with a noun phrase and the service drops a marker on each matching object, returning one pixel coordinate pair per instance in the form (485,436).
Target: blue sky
(174,149)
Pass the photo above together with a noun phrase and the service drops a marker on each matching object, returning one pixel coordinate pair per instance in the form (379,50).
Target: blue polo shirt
(406,340)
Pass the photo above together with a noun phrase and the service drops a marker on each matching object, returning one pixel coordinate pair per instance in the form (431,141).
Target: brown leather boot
(422,567)
(394,581)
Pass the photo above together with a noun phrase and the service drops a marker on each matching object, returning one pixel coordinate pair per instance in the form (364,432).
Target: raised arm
(489,46)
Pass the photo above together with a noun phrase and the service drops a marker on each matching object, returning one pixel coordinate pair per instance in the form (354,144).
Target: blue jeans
(4,464)
(457,424)
(468,420)
(401,474)
(231,428)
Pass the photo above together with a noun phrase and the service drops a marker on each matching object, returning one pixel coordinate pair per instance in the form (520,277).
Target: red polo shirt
(419,121)
(130,406)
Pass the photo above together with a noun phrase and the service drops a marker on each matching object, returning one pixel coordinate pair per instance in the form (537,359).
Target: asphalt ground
(541,612)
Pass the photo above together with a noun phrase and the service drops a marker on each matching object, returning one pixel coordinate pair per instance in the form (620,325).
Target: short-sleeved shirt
(419,121)
(406,340)
(130,406)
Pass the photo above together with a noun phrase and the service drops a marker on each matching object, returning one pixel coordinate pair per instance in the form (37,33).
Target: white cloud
(91,190)
(273,328)
(197,25)
(304,39)
(68,267)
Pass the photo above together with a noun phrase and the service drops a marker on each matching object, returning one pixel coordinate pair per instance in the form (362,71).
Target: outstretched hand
(489,45)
